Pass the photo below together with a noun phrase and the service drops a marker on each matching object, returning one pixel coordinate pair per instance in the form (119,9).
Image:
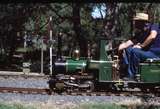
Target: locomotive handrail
(101,61)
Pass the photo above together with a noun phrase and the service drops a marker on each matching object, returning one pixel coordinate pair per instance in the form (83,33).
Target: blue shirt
(156,41)
(155,45)
(140,37)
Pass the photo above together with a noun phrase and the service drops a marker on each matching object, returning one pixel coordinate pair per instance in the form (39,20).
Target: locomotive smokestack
(59,52)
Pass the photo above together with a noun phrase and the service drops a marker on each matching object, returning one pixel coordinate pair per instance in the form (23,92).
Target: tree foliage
(74,20)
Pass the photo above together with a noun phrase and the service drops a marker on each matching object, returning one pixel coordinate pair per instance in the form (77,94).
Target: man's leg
(127,55)
(138,55)
(125,62)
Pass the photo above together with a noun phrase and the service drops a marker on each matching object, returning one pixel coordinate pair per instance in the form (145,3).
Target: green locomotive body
(89,74)
(150,71)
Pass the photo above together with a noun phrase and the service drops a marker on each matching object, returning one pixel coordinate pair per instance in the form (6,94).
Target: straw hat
(141,16)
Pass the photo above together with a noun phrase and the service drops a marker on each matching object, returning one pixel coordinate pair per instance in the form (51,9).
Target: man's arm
(149,39)
(125,45)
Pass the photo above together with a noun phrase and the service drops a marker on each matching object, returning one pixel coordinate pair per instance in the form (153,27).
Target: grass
(50,105)
(14,106)
(100,106)
(114,106)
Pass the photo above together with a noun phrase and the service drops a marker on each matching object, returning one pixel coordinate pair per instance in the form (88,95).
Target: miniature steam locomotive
(86,74)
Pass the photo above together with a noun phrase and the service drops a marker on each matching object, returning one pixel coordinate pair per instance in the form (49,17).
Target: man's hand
(137,46)
(125,45)
(121,47)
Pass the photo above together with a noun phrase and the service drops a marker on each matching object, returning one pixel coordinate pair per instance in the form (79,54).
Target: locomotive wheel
(59,86)
(91,86)
(112,87)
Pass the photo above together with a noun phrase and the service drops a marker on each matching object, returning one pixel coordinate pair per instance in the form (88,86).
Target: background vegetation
(74,20)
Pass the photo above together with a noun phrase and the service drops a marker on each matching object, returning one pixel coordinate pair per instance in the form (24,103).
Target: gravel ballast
(24,83)
(61,99)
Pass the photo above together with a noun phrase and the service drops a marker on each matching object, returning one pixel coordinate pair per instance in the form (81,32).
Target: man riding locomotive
(144,45)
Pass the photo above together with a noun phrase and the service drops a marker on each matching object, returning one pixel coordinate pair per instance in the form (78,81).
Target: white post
(50,49)
(25,43)
(24,55)
(42,55)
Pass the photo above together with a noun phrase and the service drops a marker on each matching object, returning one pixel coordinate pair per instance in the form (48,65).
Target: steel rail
(45,91)
(23,76)
(24,90)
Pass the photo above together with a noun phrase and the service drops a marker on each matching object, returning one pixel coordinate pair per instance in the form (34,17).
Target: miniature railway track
(24,90)
(118,93)
(47,92)
(23,76)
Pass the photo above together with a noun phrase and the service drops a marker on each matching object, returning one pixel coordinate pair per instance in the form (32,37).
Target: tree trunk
(77,28)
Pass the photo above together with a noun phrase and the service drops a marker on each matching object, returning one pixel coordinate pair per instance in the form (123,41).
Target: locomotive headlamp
(76,54)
